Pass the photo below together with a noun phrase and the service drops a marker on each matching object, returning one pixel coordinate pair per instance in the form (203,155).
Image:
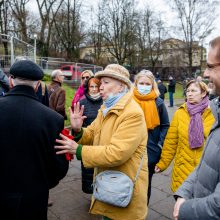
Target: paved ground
(70,203)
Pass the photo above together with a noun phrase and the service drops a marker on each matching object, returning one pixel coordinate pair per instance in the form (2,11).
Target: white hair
(18,81)
(55,73)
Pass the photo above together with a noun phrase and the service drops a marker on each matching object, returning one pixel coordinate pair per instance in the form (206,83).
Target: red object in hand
(66,133)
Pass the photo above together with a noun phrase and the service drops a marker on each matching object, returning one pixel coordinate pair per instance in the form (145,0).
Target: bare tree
(119,28)
(96,33)
(20,13)
(68,28)
(48,10)
(151,32)
(196,22)
(4,23)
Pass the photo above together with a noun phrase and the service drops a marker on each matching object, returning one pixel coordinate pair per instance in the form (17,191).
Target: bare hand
(76,117)
(179,202)
(67,145)
(157,169)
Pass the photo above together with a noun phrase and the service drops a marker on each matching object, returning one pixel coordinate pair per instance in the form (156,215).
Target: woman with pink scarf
(187,134)
(79,94)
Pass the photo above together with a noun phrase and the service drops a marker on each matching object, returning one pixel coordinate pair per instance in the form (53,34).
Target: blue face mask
(112,99)
(144,89)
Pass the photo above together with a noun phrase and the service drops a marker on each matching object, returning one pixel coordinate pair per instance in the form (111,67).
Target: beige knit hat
(115,71)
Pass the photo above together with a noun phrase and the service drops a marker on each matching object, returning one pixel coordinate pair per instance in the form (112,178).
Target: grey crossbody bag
(115,187)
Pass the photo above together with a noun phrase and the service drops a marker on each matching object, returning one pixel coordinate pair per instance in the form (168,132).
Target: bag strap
(139,169)
(43,87)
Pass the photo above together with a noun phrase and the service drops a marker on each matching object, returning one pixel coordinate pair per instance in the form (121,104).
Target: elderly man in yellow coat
(116,140)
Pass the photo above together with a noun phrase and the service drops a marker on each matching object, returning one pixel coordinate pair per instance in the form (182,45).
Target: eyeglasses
(212,66)
(85,77)
(93,87)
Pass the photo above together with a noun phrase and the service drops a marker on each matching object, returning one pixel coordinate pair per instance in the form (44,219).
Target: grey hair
(55,73)
(18,81)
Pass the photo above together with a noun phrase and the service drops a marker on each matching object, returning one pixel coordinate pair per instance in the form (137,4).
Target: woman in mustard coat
(187,134)
(116,140)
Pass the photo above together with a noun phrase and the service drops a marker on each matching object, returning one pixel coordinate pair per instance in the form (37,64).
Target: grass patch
(69,97)
(178,91)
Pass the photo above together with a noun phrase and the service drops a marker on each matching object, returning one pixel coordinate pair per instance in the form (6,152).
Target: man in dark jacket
(171,89)
(29,165)
(162,88)
(199,195)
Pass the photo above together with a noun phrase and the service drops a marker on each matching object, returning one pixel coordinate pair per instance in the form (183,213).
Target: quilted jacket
(176,146)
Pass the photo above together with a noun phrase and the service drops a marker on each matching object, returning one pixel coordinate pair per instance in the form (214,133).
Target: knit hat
(115,71)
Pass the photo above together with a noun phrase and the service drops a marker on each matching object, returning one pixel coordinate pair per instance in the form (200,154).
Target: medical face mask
(144,89)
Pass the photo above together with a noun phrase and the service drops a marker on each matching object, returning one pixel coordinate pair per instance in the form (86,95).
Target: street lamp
(137,55)
(35,48)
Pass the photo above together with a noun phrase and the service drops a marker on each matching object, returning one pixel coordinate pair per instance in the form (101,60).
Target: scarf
(196,129)
(96,96)
(149,107)
(111,101)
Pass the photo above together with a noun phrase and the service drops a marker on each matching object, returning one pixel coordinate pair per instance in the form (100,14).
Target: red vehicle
(72,72)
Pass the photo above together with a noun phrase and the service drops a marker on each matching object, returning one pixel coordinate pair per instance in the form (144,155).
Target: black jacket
(172,86)
(163,89)
(91,107)
(28,163)
(157,135)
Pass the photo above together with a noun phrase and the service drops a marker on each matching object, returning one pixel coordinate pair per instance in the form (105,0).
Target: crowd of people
(117,127)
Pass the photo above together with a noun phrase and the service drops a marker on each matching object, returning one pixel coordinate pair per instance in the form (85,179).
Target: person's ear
(204,94)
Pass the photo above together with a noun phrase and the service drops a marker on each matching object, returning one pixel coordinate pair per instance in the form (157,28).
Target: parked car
(72,72)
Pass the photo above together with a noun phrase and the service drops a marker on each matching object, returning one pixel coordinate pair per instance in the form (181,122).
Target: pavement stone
(70,203)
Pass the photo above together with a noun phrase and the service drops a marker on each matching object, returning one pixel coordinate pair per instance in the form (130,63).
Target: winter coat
(163,89)
(172,86)
(176,146)
(79,94)
(29,165)
(202,188)
(91,107)
(57,98)
(157,135)
(118,142)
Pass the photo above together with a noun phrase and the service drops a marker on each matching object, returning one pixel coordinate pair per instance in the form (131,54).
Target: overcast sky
(157,5)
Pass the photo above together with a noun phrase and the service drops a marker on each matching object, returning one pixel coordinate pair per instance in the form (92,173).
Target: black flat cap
(26,69)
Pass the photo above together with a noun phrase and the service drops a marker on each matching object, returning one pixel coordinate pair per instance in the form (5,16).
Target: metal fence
(12,49)
(49,64)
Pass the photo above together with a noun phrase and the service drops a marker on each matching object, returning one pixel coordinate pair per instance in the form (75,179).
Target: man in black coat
(171,89)
(29,165)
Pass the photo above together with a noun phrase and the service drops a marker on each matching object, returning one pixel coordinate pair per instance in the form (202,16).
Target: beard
(214,91)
